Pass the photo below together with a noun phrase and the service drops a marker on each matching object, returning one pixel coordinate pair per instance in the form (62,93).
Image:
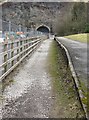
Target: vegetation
(6,83)
(79,37)
(66,103)
(74,21)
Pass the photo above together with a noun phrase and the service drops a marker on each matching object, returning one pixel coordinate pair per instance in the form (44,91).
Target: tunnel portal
(43,28)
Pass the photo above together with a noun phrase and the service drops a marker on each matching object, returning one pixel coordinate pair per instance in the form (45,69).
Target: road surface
(78,54)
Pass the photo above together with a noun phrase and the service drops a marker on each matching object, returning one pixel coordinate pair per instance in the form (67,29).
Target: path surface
(78,53)
(30,95)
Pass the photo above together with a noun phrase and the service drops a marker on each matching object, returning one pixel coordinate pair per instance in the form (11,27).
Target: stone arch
(43,28)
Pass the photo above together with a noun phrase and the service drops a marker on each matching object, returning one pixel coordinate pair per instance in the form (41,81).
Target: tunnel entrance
(43,28)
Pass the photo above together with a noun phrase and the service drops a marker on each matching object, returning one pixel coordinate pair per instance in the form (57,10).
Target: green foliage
(79,37)
(87,28)
(78,9)
(74,21)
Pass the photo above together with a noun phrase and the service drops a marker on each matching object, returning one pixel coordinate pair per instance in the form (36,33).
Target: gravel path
(30,95)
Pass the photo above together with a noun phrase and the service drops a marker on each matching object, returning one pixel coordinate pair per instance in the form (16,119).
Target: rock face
(33,13)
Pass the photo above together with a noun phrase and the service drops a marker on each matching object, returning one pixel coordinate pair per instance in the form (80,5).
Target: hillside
(29,14)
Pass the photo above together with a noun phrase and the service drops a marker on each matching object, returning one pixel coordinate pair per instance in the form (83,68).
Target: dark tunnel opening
(43,29)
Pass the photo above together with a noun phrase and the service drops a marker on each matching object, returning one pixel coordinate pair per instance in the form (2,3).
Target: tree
(74,20)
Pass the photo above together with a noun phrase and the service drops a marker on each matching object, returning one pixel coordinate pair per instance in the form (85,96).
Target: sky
(47,0)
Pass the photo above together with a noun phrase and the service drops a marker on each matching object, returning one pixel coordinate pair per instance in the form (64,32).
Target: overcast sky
(49,0)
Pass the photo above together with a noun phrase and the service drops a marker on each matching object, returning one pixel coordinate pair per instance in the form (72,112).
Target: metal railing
(10,29)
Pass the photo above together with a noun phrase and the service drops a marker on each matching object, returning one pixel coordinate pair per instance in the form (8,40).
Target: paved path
(78,53)
(30,94)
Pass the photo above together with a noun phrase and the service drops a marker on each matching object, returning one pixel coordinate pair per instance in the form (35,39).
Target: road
(78,54)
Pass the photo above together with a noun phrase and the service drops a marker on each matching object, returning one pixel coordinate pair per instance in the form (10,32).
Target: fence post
(26,29)
(20,28)
(9,26)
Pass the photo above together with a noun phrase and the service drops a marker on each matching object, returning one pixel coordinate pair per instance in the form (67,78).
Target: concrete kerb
(76,82)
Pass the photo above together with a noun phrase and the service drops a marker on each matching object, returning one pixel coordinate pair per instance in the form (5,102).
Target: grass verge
(6,83)
(85,91)
(66,103)
(79,37)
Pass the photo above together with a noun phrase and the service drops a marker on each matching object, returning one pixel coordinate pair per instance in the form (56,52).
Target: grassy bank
(66,102)
(79,37)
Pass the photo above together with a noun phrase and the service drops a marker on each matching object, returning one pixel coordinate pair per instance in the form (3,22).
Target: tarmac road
(78,53)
